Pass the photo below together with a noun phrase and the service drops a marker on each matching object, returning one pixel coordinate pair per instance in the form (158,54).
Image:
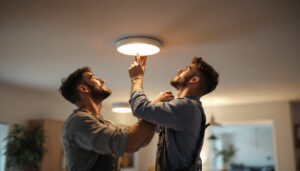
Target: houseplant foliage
(227,154)
(25,148)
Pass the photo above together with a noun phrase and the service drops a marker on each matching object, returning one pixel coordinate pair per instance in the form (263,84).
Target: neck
(92,106)
(183,92)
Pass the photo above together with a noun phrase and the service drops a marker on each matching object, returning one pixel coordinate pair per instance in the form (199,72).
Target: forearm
(136,83)
(139,134)
(171,114)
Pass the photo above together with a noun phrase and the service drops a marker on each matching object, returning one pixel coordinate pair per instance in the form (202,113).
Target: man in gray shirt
(90,142)
(182,120)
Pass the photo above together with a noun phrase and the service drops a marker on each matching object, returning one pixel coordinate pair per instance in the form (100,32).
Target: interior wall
(20,104)
(147,156)
(277,114)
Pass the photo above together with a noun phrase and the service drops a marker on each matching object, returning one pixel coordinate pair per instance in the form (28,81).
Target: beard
(99,93)
(180,81)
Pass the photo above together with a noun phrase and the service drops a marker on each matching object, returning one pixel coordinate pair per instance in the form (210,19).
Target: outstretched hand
(137,69)
(141,60)
(165,96)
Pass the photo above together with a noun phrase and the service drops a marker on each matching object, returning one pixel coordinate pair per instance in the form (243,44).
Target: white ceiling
(253,44)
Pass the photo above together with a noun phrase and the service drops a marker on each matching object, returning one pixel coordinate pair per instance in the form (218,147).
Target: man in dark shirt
(182,119)
(90,142)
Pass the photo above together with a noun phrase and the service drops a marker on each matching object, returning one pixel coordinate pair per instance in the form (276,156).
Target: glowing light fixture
(145,46)
(121,108)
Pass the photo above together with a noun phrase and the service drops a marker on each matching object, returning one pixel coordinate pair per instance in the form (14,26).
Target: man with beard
(181,120)
(90,142)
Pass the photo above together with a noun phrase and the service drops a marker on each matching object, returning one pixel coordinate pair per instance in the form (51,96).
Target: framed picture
(297,135)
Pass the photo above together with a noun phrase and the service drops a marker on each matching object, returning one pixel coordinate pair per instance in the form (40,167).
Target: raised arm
(139,135)
(136,72)
(142,132)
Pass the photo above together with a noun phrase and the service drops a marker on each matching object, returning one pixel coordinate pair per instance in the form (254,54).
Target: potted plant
(227,154)
(25,148)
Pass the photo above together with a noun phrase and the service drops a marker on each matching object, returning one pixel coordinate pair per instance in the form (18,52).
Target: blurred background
(253,44)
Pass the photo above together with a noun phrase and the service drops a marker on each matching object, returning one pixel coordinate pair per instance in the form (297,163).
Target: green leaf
(227,153)
(25,148)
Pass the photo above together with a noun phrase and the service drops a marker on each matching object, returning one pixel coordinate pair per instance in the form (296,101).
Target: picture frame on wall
(297,135)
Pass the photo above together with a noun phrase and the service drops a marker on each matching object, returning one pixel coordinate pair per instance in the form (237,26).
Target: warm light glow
(215,101)
(121,110)
(142,46)
(121,107)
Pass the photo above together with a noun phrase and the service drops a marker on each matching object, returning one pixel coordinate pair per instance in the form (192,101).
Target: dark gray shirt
(181,117)
(85,136)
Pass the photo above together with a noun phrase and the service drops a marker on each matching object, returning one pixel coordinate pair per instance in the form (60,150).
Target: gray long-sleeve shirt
(181,117)
(86,136)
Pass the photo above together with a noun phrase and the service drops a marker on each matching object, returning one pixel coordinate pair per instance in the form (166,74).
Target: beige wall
(19,104)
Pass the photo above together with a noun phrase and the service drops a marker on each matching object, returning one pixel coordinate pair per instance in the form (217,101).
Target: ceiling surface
(254,45)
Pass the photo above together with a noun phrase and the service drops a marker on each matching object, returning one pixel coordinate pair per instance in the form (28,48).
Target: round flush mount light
(143,46)
(121,107)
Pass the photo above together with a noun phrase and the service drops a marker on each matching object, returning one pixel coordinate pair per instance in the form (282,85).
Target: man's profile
(90,142)
(182,120)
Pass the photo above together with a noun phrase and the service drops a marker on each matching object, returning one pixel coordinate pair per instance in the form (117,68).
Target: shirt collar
(193,97)
(84,110)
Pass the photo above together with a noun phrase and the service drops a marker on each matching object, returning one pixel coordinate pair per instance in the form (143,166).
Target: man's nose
(179,71)
(101,81)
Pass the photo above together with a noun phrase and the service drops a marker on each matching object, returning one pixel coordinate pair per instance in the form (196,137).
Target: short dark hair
(211,76)
(68,88)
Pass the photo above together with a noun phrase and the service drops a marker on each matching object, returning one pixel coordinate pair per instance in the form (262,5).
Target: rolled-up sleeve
(173,114)
(87,132)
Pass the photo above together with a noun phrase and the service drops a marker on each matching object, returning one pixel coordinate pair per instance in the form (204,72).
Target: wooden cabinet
(53,160)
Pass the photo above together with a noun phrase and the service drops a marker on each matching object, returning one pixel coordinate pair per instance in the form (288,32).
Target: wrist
(156,100)
(136,78)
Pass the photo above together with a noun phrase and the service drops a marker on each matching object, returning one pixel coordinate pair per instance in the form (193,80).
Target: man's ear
(194,80)
(82,88)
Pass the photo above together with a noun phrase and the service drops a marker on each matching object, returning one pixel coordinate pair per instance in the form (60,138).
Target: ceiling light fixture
(121,107)
(212,137)
(213,122)
(143,46)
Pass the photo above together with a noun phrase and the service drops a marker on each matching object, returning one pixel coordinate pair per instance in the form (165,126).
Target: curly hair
(68,88)
(211,76)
